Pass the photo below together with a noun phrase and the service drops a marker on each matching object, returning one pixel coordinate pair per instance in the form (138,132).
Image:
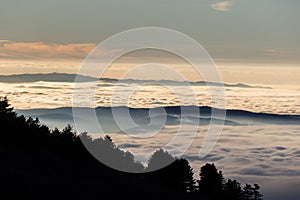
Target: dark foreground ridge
(39,163)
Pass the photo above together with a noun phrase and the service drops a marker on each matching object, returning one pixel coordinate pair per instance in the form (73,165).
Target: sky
(243,32)
(240,29)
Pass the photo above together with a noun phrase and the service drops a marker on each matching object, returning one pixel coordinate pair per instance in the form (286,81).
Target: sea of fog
(41,94)
(253,146)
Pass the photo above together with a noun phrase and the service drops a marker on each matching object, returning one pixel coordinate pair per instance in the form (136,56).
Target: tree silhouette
(233,190)
(6,111)
(177,175)
(248,192)
(185,176)
(252,192)
(5,106)
(257,194)
(159,159)
(105,150)
(211,180)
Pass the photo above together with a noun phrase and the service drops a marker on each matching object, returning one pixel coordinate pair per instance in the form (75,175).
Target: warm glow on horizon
(286,75)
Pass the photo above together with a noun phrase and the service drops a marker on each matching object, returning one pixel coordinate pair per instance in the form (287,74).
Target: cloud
(271,52)
(255,172)
(222,6)
(6,41)
(40,50)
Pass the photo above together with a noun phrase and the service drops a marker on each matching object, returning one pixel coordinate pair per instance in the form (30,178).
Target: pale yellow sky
(282,75)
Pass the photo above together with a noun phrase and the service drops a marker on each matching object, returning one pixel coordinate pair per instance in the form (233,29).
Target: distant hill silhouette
(49,77)
(65,77)
(57,117)
(39,163)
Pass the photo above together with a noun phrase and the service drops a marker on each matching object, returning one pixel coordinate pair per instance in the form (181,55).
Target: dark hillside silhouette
(39,163)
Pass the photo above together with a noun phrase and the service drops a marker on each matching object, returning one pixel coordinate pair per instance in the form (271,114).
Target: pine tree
(159,159)
(211,180)
(257,195)
(233,190)
(6,111)
(186,176)
(248,192)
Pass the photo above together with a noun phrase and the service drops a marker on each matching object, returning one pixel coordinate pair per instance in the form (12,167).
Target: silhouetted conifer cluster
(39,163)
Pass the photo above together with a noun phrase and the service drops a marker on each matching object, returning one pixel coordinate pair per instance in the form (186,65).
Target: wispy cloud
(272,52)
(40,50)
(222,6)
(5,41)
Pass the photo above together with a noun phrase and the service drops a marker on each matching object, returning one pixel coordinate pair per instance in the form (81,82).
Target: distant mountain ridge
(171,110)
(58,117)
(49,77)
(65,77)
